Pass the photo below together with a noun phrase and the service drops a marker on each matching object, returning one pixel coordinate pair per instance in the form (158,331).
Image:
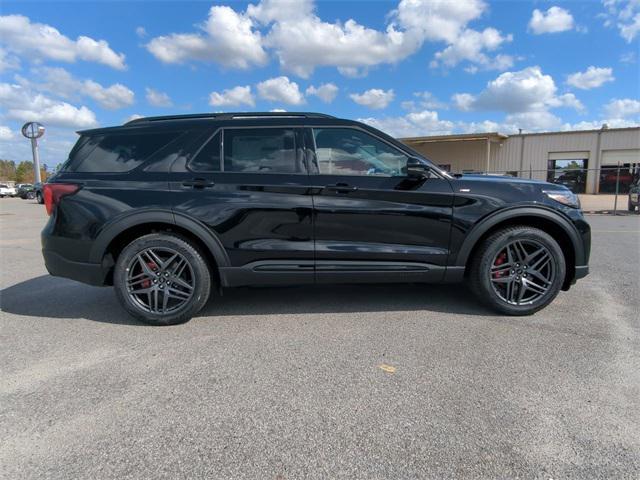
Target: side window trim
(202,147)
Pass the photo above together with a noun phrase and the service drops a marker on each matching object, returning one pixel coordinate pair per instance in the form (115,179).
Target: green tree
(7,170)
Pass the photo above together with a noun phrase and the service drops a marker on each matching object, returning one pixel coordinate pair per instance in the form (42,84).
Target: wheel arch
(112,239)
(546,220)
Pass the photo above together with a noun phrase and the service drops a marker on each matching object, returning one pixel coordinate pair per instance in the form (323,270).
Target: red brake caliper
(500,259)
(147,282)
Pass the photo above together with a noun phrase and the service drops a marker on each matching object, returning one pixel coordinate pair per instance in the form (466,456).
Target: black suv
(165,208)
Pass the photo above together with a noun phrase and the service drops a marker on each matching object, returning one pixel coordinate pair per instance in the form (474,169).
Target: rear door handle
(198,183)
(341,188)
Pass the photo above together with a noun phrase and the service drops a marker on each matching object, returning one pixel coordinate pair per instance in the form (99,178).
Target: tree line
(23,172)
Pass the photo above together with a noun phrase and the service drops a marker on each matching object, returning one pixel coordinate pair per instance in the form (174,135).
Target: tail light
(53,192)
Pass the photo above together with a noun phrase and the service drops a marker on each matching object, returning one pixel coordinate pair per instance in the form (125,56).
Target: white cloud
(593,77)
(413,124)
(628,57)
(424,101)
(61,83)
(513,92)
(157,98)
(228,38)
(302,41)
(232,96)
(526,96)
(534,121)
(597,124)
(40,41)
(622,108)
(469,46)
(280,89)
(305,42)
(374,98)
(6,133)
(438,20)
(556,19)
(463,101)
(25,105)
(8,61)
(625,14)
(141,32)
(326,92)
(568,100)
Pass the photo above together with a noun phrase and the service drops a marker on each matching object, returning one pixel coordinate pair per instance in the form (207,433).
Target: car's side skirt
(293,272)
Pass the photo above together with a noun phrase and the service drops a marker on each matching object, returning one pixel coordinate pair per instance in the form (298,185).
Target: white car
(7,191)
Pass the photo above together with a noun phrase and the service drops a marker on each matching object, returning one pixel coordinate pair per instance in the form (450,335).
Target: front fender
(487,223)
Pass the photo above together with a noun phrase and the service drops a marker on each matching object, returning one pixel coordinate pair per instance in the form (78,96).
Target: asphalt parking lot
(286,383)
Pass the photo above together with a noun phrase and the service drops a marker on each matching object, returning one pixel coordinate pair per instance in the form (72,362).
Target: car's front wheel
(39,198)
(518,270)
(162,279)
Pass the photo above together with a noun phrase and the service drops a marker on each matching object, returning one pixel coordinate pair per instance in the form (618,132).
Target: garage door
(612,157)
(629,160)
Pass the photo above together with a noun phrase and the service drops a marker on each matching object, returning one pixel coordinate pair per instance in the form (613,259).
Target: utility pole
(33,131)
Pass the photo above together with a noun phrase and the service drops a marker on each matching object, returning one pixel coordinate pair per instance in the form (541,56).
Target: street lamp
(33,131)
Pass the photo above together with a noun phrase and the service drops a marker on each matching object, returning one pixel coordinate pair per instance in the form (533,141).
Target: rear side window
(262,150)
(116,152)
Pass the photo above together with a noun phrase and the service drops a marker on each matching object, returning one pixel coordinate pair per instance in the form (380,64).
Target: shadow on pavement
(50,297)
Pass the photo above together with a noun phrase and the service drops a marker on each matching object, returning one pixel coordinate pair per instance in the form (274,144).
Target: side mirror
(417,169)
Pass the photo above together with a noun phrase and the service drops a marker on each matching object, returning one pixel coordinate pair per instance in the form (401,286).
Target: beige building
(586,161)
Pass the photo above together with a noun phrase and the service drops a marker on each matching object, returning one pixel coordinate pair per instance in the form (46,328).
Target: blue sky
(410,67)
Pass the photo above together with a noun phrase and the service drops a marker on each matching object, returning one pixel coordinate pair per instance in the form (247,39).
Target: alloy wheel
(522,272)
(160,280)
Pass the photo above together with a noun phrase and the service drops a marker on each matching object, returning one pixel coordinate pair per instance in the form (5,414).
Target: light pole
(33,131)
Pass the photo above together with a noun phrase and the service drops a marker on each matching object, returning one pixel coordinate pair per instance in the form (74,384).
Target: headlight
(565,197)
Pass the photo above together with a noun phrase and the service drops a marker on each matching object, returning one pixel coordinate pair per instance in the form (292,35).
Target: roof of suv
(226,119)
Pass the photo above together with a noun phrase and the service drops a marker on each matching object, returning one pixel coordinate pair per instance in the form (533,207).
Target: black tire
(39,198)
(630,206)
(492,290)
(197,271)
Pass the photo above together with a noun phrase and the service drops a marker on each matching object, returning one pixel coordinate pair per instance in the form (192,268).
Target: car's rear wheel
(39,198)
(518,270)
(162,279)
(630,206)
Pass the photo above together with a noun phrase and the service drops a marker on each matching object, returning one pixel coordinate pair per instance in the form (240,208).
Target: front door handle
(341,188)
(198,183)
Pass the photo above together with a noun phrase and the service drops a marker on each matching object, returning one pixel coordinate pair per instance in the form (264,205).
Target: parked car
(26,191)
(39,195)
(167,208)
(7,191)
(634,195)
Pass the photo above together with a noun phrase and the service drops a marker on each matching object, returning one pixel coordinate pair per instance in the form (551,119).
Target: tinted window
(346,151)
(116,153)
(208,160)
(262,150)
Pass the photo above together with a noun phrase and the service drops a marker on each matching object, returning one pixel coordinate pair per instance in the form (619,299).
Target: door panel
(263,220)
(381,226)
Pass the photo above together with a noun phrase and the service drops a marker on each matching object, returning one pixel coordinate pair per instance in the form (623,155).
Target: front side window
(262,150)
(347,151)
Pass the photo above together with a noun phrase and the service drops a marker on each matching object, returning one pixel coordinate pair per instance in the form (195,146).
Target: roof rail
(230,116)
